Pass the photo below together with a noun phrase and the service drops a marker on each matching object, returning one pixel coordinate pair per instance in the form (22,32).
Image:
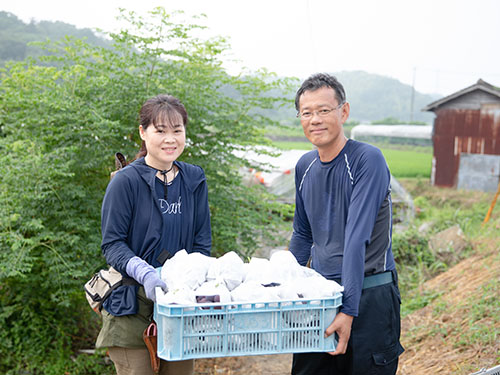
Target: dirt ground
(432,336)
(279,364)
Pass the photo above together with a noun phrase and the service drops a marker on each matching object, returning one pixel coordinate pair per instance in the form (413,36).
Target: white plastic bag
(285,266)
(253,291)
(316,287)
(287,292)
(214,288)
(178,296)
(229,268)
(186,270)
(260,270)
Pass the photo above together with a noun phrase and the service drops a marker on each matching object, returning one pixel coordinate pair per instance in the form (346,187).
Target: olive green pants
(131,361)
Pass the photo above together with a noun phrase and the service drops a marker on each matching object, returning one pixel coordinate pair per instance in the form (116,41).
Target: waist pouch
(102,283)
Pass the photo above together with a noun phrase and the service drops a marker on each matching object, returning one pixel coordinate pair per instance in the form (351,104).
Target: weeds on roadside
(436,209)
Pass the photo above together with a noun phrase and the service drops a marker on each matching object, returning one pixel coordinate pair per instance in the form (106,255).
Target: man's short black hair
(317,81)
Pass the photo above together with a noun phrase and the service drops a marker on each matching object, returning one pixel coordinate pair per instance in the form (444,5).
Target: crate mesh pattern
(237,329)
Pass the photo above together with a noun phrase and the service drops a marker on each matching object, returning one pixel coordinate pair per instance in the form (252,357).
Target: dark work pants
(373,347)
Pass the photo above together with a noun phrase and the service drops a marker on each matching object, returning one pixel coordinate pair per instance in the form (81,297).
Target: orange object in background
(259,177)
(488,215)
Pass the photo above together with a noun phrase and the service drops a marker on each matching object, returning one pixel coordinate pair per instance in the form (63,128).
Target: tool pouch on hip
(100,286)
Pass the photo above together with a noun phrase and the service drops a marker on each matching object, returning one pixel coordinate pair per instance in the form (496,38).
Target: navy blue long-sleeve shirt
(343,217)
(132,223)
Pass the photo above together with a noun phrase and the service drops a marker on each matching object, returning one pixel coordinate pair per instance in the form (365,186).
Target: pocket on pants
(386,361)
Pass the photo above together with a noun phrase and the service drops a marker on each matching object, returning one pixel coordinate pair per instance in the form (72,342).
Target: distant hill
(15,36)
(373,97)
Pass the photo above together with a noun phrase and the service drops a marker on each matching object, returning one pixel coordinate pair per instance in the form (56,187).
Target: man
(343,224)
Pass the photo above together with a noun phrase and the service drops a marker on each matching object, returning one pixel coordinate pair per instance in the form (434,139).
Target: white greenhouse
(405,134)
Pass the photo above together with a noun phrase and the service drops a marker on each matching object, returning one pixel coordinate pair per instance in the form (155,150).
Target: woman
(152,208)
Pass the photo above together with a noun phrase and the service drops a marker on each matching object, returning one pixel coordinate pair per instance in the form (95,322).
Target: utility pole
(412,94)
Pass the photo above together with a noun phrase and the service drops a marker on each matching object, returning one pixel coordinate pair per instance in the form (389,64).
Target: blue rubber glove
(145,274)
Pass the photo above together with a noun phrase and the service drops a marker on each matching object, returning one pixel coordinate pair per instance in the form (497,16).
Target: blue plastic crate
(239,329)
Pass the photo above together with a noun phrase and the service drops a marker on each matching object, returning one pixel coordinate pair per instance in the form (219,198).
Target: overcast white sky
(440,45)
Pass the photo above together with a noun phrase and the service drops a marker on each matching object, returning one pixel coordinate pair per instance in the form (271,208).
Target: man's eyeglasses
(306,115)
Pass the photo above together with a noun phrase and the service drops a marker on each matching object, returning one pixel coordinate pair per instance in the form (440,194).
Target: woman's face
(165,142)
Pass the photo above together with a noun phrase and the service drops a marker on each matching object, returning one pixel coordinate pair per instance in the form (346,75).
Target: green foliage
(459,208)
(62,118)
(416,264)
(439,208)
(410,248)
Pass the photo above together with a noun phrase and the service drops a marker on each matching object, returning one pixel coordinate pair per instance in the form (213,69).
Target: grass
(408,163)
(458,311)
(443,208)
(416,300)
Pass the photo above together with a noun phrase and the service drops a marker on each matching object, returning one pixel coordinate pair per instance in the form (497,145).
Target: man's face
(322,118)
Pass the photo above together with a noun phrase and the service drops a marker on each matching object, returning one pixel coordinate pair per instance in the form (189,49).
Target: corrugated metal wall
(459,131)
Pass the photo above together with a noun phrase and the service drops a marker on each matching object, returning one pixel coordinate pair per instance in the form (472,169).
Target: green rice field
(408,163)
